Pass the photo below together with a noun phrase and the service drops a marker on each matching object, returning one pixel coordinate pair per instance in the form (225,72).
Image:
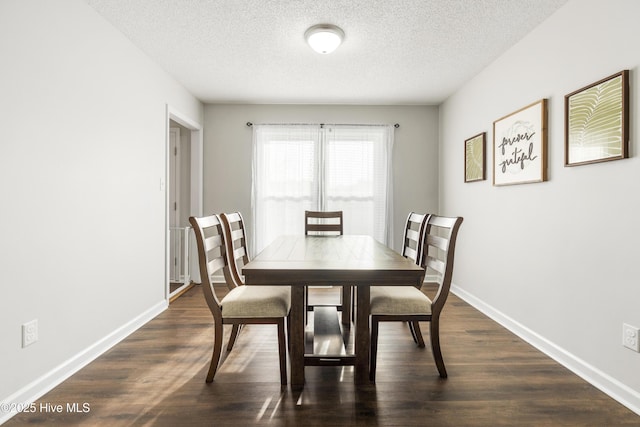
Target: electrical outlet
(29,333)
(630,337)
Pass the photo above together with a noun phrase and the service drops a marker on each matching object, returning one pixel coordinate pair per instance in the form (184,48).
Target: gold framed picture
(474,158)
(597,121)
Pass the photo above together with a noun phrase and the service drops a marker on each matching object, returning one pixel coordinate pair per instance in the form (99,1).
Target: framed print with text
(520,146)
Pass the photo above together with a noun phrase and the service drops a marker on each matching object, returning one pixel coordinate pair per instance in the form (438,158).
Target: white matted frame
(520,146)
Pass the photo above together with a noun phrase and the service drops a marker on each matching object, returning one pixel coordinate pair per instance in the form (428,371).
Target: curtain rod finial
(249,124)
(396,126)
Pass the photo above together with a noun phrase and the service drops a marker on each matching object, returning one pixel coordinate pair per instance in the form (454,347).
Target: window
(313,167)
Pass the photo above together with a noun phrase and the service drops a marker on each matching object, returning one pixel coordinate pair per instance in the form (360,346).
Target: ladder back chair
(241,304)
(410,304)
(412,249)
(322,223)
(238,254)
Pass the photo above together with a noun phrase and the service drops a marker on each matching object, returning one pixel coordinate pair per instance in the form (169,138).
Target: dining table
(345,260)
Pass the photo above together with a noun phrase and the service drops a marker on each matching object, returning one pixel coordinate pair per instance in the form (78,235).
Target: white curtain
(314,167)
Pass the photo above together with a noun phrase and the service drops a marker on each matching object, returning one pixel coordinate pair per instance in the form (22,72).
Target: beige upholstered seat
(402,300)
(242,304)
(410,304)
(257,301)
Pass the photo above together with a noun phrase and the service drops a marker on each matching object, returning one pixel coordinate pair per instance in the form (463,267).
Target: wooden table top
(330,259)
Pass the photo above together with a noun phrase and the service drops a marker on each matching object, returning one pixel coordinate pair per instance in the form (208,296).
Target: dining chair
(238,251)
(409,303)
(322,223)
(412,248)
(235,238)
(242,304)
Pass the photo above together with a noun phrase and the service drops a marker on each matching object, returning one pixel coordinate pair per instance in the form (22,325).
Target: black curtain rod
(322,124)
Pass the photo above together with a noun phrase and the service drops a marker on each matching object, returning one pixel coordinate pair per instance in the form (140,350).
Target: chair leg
(234,335)
(373,353)
(217,349)
(417,333)
(413,332)
(435,346)
(282,351)
(289,332)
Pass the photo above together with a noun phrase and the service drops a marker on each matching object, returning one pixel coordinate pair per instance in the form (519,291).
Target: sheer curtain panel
(321,167)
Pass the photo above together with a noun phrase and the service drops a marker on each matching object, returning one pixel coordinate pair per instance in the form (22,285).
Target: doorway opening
(184,198)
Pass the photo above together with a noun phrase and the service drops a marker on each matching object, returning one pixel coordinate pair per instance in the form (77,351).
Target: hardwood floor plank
(156,376)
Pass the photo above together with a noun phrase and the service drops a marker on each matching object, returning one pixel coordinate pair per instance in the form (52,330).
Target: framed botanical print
(597,121)
(520,146)
(474,158)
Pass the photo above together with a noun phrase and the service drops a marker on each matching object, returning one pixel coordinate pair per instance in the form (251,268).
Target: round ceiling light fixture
(324,38)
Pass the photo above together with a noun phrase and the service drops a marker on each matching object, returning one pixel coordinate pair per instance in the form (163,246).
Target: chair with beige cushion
(411,249)
(238,255)
(235,237)
(410,304)
(328,223)
(241,304)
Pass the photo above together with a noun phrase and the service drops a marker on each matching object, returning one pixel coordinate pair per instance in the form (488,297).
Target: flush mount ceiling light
(324,38)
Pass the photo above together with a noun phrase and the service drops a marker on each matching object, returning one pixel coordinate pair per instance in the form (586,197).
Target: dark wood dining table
(358,261)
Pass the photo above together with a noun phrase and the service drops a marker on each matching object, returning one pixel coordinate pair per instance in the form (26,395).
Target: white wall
(84,118)
(554,261)
(227,151)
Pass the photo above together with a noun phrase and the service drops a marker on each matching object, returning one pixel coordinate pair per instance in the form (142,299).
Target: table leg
(346,304)
(363,338)
(296,338)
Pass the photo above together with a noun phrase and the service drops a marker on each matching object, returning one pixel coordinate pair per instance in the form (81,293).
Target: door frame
(196,178)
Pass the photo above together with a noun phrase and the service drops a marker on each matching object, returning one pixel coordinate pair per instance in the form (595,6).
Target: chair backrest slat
(435,264)
(438,242)
(215,264)
(212,242)
(413,235)
(239,252)
(410,253)
(237,234)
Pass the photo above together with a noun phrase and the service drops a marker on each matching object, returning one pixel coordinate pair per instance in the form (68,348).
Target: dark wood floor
(156,377)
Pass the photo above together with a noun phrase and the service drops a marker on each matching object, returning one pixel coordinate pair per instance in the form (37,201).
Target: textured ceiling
(394,52)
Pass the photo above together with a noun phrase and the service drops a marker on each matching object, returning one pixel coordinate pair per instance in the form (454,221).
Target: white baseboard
(607,384)
(39,387)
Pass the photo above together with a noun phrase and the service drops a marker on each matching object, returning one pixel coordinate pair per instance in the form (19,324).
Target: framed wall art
(597,122)
(520,146)
(474,158)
